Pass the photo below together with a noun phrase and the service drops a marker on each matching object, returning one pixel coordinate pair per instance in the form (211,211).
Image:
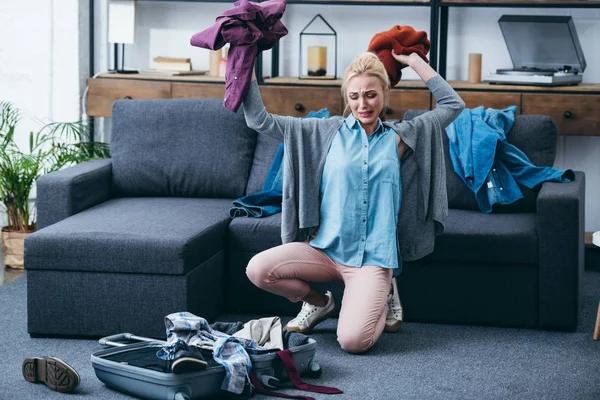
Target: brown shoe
(55,373)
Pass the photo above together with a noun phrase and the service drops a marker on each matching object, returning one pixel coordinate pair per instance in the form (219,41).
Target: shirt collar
(352,122)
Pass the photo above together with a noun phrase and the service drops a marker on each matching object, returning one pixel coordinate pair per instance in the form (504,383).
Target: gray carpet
(422,361)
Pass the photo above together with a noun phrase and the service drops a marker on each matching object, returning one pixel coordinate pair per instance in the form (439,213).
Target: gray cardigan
(306,144)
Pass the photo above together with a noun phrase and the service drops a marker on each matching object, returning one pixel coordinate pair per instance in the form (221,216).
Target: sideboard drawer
(574,114)
(402,100)
(299,101)
(102,93)
(201,90)
(497,100)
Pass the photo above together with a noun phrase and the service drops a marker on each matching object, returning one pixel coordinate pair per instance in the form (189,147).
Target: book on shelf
(172,64)
(162,72)
(172,59)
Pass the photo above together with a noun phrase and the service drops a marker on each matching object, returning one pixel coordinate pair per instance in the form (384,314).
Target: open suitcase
(113,366)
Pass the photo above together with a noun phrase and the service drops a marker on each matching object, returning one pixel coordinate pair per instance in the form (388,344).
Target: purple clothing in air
(249,28)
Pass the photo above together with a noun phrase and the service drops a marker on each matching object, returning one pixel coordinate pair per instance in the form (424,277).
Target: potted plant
(54,146)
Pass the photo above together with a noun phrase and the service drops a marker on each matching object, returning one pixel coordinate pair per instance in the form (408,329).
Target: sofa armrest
(66,192)
(561,231)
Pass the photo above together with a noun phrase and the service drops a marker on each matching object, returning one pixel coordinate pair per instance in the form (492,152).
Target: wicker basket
(13,244)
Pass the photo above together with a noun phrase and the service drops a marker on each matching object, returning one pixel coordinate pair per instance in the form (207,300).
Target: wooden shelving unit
(286,80)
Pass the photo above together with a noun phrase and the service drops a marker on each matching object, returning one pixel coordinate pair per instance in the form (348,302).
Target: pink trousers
(284,270)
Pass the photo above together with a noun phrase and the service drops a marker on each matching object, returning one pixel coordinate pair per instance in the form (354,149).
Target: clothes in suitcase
(134,369)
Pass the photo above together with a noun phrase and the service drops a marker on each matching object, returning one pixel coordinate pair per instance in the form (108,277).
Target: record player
(545,51)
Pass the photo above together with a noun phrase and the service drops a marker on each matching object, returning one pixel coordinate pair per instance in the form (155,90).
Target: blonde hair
(368,64)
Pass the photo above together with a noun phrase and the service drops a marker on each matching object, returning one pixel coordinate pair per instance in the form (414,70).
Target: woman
(343,185)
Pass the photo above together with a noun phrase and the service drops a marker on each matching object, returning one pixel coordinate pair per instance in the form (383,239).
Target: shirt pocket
(388,171)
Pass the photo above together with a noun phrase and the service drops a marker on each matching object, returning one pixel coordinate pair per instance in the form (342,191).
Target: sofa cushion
(133,235)
(471,236)
(266,149)
(535,135)
(180,148)
(254,234)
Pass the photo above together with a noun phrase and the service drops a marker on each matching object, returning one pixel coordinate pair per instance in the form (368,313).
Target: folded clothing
(403,40)
(290,339)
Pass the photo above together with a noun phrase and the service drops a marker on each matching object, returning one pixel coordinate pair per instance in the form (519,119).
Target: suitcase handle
(116,340)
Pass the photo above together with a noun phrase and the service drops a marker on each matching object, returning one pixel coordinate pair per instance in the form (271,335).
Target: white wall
(44,53)
(42,66)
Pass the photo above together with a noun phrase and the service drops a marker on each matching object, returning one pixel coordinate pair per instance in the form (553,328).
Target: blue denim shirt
(490,166)
(360,197)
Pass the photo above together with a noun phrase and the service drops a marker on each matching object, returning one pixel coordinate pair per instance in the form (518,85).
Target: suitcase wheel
(270,381)
(314,370)
(182,396)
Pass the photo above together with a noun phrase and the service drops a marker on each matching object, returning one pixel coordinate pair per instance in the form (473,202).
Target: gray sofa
(125,241)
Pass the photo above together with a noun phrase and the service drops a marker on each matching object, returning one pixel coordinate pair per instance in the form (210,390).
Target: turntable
(544,50)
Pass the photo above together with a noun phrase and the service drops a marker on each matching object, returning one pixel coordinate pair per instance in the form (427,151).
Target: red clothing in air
(403,40)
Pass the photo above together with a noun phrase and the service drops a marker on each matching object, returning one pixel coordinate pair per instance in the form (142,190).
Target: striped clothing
(229,351)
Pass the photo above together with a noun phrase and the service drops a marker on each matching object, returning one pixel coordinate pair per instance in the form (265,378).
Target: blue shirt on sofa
(490,166)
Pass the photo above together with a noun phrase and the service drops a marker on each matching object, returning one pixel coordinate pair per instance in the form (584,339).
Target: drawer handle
(128,97)
(568,115)
(389,111)
(298,107)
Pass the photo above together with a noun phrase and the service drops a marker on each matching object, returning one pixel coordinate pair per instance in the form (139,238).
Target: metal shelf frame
(438,21)
(444,7)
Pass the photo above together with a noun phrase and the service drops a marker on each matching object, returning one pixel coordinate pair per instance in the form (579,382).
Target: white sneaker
(310,316)
(395,315)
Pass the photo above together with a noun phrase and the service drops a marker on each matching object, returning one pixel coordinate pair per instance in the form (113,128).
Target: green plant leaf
(55,146)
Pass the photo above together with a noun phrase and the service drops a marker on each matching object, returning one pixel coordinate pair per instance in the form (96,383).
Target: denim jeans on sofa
(125,241)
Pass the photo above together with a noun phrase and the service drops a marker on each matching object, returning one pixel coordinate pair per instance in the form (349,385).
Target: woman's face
(366,99)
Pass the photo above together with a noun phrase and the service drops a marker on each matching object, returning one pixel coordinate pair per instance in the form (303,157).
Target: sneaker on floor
(310,316)
(395,315)
(55,373)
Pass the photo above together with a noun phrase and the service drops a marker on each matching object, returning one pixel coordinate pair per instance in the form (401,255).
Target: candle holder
(318,50)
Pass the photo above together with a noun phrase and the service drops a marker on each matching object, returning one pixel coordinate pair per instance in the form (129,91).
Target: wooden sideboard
(575,109)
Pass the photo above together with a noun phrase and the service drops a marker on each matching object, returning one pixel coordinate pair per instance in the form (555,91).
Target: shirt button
(364,220)
(365,182)
(501,189)
(365,146)
(363,239)
(494,169)
(365,163)
(364,202)
(235,77)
